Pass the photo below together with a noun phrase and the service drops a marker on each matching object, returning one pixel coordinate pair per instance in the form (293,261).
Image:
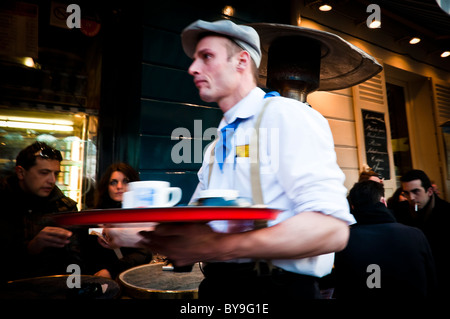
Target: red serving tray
(120,217)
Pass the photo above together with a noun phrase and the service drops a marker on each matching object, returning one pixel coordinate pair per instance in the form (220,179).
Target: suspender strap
(255,174)
(255,177)
(211,159)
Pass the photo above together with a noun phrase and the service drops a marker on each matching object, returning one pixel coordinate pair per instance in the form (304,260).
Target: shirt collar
(245,108)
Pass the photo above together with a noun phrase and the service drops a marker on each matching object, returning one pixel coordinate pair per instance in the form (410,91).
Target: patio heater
(297,61)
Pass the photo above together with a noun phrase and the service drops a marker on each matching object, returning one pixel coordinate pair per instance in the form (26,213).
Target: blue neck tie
(223,147)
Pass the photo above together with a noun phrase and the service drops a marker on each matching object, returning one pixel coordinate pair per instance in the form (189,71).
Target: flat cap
(246,37)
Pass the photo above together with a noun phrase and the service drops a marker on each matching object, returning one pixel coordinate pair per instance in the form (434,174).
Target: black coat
(406,265)
(433,220)
(23,216)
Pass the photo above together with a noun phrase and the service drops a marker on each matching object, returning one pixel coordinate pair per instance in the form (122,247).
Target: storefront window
(399,129)
(74,134)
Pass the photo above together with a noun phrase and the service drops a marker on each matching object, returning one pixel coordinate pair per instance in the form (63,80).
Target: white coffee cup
(151,194)
(228,194)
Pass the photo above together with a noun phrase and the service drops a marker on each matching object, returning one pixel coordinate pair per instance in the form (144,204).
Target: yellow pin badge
(242,151)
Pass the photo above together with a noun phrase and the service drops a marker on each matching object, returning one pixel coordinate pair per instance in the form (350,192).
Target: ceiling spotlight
(299,19)
(29,62)
(228,11)
(325,7)
(445,54)
(375,24)
(414,40)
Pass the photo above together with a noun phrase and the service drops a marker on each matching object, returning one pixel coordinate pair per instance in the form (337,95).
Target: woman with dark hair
(109,194)
(113,184)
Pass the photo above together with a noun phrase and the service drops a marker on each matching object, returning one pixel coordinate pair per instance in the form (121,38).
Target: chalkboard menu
(375,139)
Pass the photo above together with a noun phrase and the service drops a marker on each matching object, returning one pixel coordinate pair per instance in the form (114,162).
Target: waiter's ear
(244,60)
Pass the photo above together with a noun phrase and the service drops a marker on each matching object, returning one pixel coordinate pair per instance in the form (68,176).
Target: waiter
(297,172)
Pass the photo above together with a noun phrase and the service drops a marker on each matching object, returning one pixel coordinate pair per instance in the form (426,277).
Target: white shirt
(298,167)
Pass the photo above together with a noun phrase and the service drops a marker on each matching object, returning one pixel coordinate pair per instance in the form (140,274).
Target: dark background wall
(146,90)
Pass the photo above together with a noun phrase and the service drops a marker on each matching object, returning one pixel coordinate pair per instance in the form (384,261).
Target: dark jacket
(23,216)
(406,265)
(433,220)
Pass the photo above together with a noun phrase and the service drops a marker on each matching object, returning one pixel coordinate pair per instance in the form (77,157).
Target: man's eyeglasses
(48,153)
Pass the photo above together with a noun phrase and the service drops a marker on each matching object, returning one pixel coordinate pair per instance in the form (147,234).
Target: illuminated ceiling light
(299,20)
(325,7)
(228,11)
(32,123)
(35,120)
(375,24)
(36,126)
(29,62)
(414,40)
(445,54)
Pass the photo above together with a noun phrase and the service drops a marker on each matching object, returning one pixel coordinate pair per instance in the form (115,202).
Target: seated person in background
(430,213)
(112,185)
(383,258)
(30,244)
(398,198)
(370,175)
(109,194)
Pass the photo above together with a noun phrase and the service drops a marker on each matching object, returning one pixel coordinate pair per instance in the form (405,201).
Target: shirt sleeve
(202,183)
(305,160)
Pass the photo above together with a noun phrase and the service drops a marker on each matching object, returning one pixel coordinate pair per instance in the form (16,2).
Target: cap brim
(189,41)
(342,64)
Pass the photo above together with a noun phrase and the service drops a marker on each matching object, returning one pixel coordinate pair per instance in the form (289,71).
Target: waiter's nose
(193,68)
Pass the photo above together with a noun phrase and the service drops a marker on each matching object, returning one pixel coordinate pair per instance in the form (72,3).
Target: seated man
(31,246)
(383,258)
